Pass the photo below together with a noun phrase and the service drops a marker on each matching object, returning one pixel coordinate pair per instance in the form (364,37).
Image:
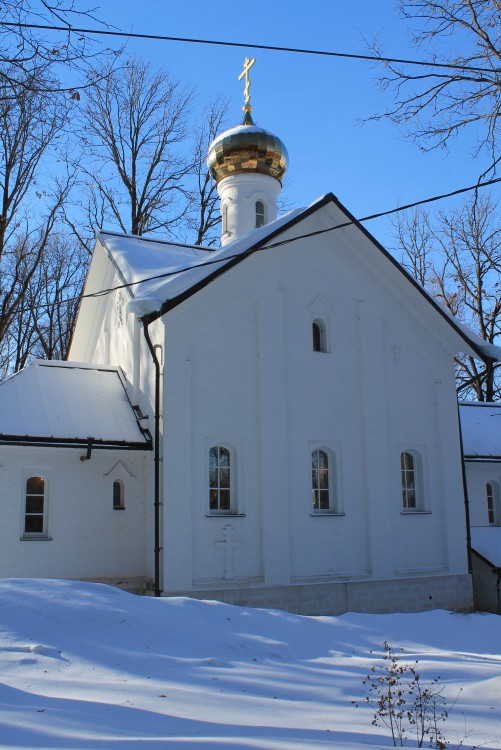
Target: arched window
(259,214)
(118,495)
(408,471)
(320,480)
(492,511)
(319,336)
(35,507)
(225,218)
(220,480)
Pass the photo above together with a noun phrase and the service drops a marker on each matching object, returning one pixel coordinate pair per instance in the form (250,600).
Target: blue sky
(315,104)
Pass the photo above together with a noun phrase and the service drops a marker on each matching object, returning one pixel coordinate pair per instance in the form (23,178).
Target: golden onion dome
(247,148)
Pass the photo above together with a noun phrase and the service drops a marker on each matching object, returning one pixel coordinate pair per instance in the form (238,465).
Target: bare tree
(28,55)
(203,217)
(134,131)
(437,104)
(30,124)
(456,259)
(43,321)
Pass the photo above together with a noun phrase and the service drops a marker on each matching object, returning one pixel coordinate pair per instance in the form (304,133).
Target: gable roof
(481,430)
(163,274)
(66,404)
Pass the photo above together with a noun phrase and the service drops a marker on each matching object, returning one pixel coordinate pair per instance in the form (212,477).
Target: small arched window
(35,507)
(320,480)
(408,472)
(118,495)
(220,480)
(259,214)
(225,217)
(319,336)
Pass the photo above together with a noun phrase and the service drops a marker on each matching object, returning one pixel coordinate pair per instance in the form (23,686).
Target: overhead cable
(343,225)
(246,45)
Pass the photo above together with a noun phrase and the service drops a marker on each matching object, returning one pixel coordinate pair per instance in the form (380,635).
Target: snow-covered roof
(481,428)
(68,402)
(486,540)
(138,258)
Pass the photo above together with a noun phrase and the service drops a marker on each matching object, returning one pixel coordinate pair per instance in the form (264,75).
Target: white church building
(270,423)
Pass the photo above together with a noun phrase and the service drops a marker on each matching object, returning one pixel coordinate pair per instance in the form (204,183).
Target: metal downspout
(157,458)
(466,500)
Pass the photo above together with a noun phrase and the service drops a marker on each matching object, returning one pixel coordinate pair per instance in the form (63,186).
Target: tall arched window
(491,494)
(259,214)
(225,218)
(320,480)
(35,507)
(220,480)
(118,495)
(408,471)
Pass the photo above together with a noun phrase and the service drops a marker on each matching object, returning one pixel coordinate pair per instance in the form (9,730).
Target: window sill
(323,513)
(415,512)
(35,538)
(224,514)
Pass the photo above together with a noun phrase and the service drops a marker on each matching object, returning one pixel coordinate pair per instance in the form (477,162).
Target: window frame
(492,498)
(231,488)
(417,483)
(44,514)
(260,213)
(333,507)
(224,218)
(319,340)
(120,505)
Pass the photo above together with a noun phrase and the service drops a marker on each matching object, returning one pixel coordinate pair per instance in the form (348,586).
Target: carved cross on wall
(229,545)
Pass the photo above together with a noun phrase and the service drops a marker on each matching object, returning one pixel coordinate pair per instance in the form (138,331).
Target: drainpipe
(157,458)
(498,590)
(466,500)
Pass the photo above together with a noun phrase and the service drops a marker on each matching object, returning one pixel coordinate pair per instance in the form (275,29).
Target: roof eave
(175,301)
(481,355)
(39,441)
(325,200)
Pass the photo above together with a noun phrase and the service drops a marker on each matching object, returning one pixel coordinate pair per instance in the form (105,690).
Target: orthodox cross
(248,63)
(228,546)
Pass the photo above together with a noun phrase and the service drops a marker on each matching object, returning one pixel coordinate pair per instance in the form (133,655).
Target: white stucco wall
(87,538)
(478,474)
(240,372)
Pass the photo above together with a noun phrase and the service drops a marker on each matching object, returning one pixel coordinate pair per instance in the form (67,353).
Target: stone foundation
(416,594)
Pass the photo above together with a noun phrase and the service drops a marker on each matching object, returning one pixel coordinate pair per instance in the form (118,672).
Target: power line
(270,47)
(167,274)
(422,202)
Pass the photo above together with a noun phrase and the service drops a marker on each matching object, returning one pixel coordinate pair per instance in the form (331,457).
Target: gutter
(483,459)
(41,442)
(157,458)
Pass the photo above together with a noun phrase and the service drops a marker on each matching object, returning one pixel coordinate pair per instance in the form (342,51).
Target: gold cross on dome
(248,63)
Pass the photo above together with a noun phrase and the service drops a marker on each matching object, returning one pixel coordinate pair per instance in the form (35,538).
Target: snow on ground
(88,666)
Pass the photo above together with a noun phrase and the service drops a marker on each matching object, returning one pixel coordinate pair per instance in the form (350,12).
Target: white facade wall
(240,372)
(478,474)
(116,337)
(86,537)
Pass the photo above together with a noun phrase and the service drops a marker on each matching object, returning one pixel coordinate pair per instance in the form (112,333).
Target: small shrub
(404,703)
